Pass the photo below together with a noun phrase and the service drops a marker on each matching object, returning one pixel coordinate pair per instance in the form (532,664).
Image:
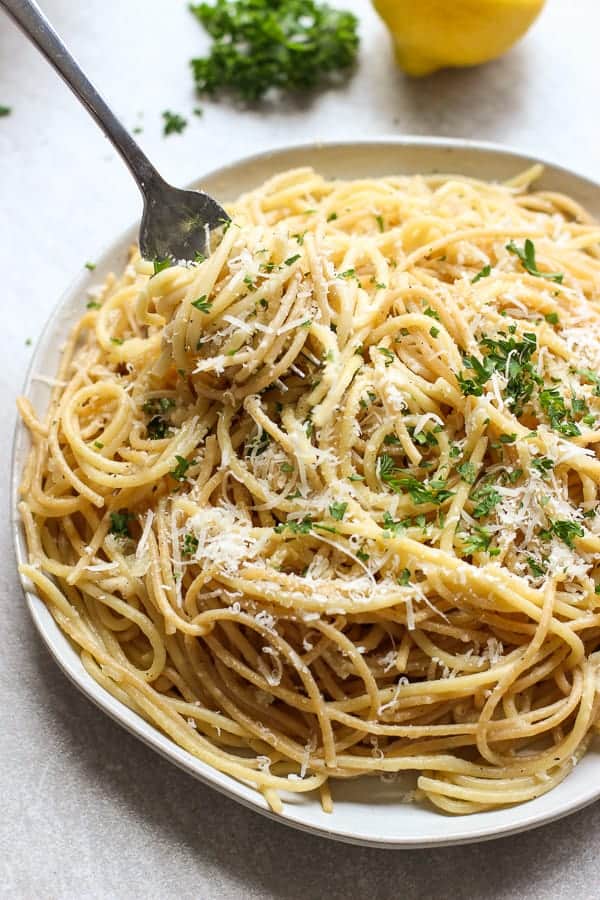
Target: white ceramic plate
(367,810)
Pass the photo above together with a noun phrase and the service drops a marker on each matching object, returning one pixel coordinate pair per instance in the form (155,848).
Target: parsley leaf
(173,123)
(467,472)
(563,529)
(179,472)
(190,544)
(554,406)
(486,498)
(337,511)
(478,541)
(484,273)
(160,264)
(119,523)
(527,257)
(202,304)
(389,356)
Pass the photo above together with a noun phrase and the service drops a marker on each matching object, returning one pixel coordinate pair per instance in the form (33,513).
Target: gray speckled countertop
(86,810)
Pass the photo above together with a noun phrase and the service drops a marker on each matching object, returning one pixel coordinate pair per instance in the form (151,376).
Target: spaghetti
(325,504)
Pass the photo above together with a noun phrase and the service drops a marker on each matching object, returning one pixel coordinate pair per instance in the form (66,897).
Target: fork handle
(32,21)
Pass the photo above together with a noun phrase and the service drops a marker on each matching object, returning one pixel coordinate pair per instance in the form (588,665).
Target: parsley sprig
(527,256)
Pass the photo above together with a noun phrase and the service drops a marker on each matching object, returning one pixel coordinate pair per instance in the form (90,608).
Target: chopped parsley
(202,304)
(404,577)
(380,225)
(392,526)
(258,445)
(543,464)
(292,259)
(434,332)
(5,111)
(160,264)
(179,472)
(158,428)
(535,568)
(93,304)
(555,408)
(467,472)
(90,266)
(486,498)
(483,273)
(564,530)
(510,357)
(527,257)
(173,123)
(432,313)
(190,544)
(337,511)
(421,492)
(389,356)
(552,318)
(119,523)
(264,45)
(478,541)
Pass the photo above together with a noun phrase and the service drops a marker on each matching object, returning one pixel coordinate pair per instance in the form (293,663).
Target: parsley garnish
(337,511)
(563,529)
(432,313)
(158,428)
(510,357)
(258,445)
(404,577)
(349,273)
(434,332)
(421,492)
(190,544)
(160,264)
(90,266)
(304,526)
(527,257)
(292,259)
(380,225)
(543,464)
(202,304)
(486,498)
(484,273)
(179,472)
(536,569)
(467,472)
(389,356)
(552,318)
(554,406)
(119,523)
(478,541)
(260,45)
(391,526)
(5,111)
(173,123)
(93,304)
(593,378)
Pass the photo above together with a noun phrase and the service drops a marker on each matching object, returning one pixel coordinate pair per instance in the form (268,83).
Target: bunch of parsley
(259,45)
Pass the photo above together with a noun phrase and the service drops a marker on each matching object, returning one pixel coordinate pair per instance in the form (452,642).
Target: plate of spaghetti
(318,517)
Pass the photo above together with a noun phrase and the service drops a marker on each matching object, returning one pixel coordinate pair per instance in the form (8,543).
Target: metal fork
(175,224)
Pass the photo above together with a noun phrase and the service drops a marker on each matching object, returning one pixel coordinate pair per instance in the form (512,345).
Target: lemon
(432,34)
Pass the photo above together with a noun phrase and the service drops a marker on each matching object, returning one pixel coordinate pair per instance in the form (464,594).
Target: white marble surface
(85,810)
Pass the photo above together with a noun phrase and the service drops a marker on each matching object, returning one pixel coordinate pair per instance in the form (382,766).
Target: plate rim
(50,632)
